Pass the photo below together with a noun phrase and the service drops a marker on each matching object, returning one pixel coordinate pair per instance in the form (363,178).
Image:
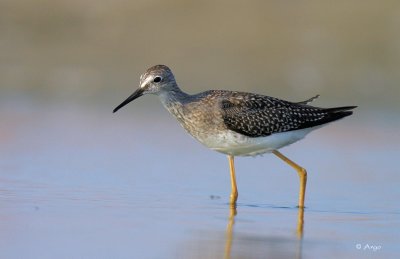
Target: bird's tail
(339,112)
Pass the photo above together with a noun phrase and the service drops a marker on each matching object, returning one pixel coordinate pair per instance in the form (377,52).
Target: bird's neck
(173,96)
(174,100)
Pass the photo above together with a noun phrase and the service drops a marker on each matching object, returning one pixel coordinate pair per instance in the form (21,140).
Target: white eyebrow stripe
(144,83)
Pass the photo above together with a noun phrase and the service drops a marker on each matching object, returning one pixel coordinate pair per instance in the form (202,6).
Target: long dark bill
(136,94)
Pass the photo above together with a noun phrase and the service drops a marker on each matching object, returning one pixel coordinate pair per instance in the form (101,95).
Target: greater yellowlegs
(238,123)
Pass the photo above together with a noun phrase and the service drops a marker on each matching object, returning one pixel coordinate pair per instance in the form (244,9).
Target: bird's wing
(308,101)
(257,115)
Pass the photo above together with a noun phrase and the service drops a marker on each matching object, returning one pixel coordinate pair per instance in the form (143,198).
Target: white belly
(235,144)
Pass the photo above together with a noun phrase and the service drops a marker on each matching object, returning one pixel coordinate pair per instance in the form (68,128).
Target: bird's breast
(202,122)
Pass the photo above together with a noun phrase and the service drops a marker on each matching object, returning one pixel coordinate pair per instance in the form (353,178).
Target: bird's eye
(157,79)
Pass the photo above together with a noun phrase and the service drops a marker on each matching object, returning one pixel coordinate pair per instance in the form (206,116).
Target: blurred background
(77,180)
(94,51)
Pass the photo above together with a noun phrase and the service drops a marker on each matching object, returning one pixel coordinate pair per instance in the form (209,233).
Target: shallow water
(84,183)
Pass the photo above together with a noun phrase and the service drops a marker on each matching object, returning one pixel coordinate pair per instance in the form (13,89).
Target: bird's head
(156,79)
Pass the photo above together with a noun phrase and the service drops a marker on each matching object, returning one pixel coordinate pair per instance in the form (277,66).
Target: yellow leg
(234,193)
(302,174)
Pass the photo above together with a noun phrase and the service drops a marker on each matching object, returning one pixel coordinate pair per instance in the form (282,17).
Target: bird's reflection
(230,232)
(300,222)
(299,232)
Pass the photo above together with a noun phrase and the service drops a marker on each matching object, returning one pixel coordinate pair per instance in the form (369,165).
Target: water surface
(78,182)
